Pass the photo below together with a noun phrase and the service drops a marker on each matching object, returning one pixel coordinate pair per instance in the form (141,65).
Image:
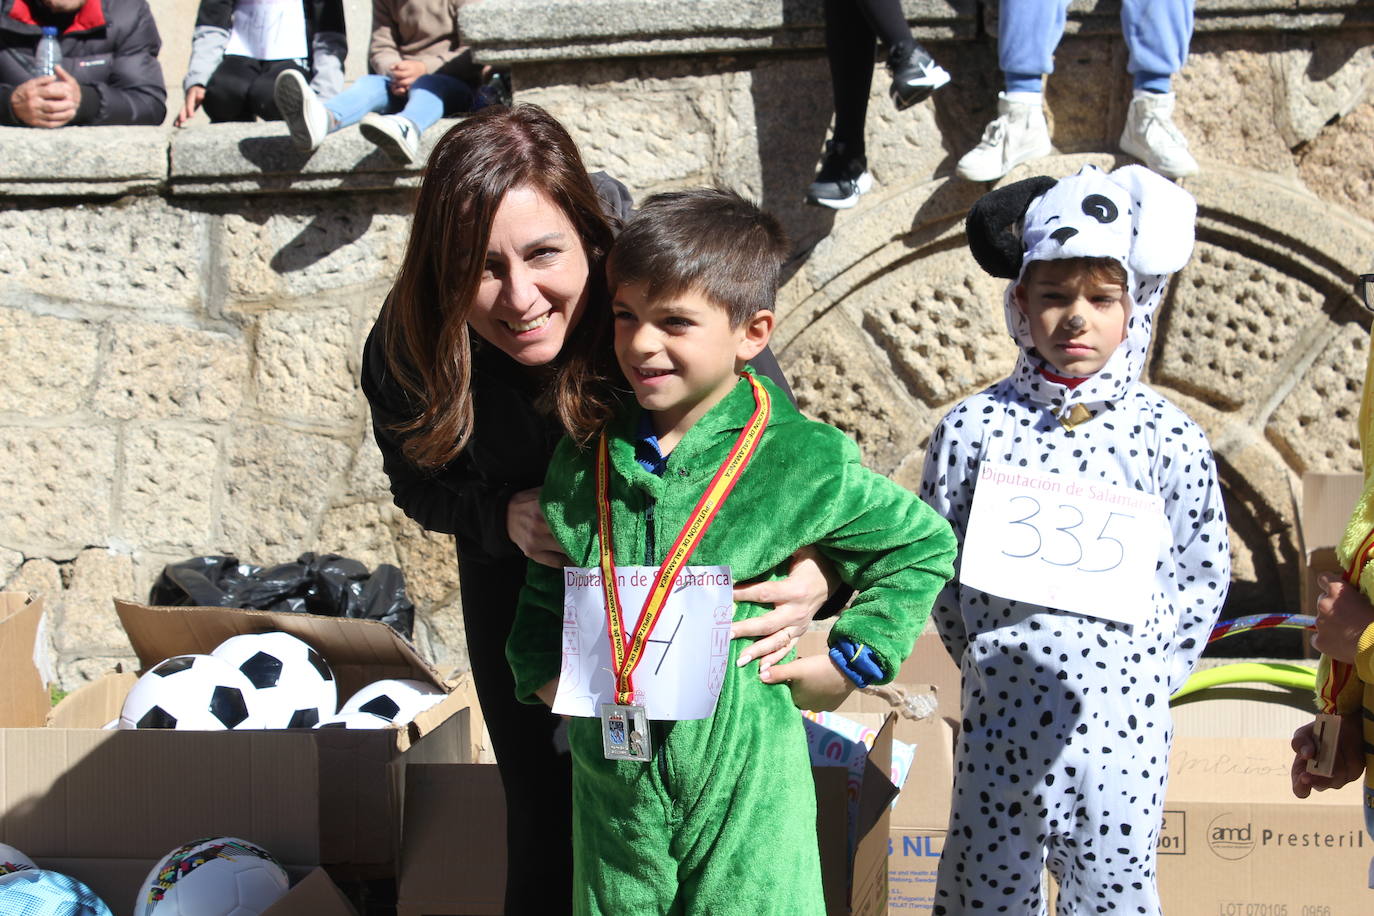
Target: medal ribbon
(625,656)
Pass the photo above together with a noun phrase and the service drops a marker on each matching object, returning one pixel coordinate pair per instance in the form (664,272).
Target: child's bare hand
(815,681)
(548,693)
(1343,614)
(795,600)
(1348,764)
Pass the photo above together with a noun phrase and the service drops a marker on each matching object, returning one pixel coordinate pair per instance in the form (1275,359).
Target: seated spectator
(420,73)
(239,47)
(110,45)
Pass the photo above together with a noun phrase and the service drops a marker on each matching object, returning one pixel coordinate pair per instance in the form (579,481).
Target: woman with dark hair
(498,315)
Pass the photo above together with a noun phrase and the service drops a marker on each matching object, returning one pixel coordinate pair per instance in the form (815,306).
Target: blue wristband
(857,662)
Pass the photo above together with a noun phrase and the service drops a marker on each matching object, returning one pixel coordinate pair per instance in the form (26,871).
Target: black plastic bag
(331,585)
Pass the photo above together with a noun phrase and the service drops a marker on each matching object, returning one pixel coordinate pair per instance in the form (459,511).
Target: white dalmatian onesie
(1063,755)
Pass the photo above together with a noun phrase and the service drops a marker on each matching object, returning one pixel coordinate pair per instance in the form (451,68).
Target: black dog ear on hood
(995,246)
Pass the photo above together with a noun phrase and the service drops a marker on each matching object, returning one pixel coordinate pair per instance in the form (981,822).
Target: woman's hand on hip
(527,527)
(795,600)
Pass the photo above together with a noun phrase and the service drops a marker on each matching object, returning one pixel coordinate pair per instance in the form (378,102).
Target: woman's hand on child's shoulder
(815,681)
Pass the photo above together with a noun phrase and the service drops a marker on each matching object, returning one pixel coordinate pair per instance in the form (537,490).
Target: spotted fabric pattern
(1063,751)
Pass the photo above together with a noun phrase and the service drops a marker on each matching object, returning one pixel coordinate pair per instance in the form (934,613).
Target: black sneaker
(914,77)
(841,180)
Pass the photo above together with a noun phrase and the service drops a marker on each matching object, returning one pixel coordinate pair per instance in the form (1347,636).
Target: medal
(625,723)
(625,732)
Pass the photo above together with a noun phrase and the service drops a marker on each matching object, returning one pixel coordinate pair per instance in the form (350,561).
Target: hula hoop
(1261,622)
(1294,677)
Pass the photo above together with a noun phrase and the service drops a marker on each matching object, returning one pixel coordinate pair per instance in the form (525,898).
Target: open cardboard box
(927,684)
(72,791)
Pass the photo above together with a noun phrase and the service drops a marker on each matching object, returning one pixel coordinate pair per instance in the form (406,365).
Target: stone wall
(181,312)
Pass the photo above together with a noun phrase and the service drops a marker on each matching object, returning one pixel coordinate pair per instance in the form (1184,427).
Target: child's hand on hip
(815,681)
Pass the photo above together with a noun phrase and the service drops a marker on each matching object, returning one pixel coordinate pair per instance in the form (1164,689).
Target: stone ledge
(208,160)
(525,31)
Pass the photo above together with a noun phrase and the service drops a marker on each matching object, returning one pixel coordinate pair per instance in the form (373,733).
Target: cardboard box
(312,797)
(925,699)
(1236,841)
(26,696)
(454,851)
(1327,500)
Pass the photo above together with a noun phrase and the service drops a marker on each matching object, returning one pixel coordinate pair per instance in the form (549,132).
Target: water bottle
(494,92)
(49,53)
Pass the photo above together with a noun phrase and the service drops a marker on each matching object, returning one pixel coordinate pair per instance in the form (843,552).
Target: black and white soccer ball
(190,693)
(397,700)
(362,720)
(219,876)
(295,687)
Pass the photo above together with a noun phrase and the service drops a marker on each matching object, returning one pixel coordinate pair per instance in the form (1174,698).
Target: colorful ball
(12,860)
(218,876)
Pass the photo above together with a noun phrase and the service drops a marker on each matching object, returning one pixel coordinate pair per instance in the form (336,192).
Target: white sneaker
(304,113)
(1018,134)
(395,134)
(1151,137)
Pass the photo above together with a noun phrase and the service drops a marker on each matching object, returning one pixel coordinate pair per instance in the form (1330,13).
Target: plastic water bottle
(49,53)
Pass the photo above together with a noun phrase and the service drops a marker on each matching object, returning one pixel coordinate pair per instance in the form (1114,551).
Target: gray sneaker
(1018,134)
(304,113)
(396,135)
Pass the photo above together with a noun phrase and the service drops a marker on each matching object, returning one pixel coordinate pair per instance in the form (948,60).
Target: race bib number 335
(1065,542)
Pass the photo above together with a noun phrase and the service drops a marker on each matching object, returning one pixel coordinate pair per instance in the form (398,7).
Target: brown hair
(424,329)
(710,240)
(1095,270)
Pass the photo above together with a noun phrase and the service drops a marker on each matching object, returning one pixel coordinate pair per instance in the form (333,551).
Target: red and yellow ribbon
(625,656)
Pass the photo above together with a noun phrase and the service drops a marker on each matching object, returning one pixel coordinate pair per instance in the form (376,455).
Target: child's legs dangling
(368,93)
(434,95)
(1028,31)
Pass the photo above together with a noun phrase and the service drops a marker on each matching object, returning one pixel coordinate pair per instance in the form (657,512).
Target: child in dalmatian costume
(1063,755)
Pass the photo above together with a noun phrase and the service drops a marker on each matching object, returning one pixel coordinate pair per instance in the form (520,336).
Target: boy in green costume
(722,818)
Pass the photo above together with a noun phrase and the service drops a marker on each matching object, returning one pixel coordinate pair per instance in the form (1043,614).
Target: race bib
(268,30)
(1071,543)
(683,667)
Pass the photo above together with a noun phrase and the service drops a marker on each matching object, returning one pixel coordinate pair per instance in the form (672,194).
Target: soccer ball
(295,688)
(355,720)
(189,692)
(12,860)
(396,700)
(219,876)
(40,892)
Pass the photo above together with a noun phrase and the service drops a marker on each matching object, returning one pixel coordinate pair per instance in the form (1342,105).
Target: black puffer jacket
(109,46)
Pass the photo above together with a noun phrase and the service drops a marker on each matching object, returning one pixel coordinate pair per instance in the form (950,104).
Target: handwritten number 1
(1025,520)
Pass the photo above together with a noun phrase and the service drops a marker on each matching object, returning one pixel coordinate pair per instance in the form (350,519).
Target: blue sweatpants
(1157,33)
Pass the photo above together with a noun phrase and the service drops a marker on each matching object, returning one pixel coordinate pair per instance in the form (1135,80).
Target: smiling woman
(498,315)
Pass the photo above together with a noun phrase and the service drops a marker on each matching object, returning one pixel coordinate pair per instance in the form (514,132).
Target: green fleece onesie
(723,819)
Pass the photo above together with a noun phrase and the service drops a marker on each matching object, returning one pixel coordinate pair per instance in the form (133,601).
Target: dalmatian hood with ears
(1132,215)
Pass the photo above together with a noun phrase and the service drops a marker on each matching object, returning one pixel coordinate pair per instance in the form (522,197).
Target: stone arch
(1261,339)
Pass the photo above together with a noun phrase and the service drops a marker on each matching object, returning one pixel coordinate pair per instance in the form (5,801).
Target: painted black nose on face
(1063,235)
(1075,323)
